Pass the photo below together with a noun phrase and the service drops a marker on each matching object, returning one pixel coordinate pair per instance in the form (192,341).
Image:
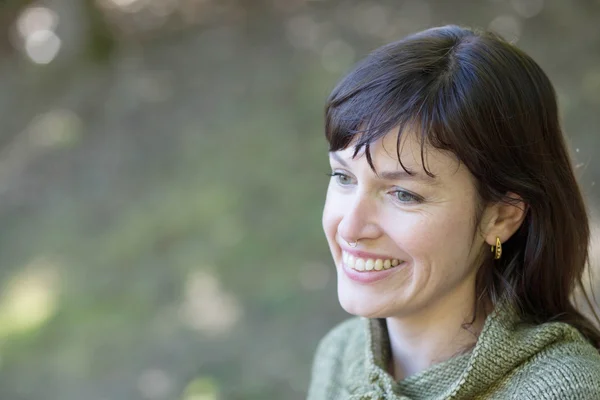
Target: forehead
(384,153)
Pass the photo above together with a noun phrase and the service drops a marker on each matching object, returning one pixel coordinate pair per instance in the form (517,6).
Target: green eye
(406,197)
(341,179)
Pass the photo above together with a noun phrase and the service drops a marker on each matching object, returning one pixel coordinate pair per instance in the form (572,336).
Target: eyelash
(414,198)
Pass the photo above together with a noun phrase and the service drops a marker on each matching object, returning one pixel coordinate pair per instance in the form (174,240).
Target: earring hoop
(497,249)
(352,244)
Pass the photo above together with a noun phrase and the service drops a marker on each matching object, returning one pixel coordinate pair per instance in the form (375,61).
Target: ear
(504,218)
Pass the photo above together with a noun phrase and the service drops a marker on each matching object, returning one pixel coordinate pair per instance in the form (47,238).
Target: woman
(443,146)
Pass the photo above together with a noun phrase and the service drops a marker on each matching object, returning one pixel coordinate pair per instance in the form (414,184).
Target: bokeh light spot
(35,19)
(302,31)
(527,8)
(58,127)
(127,5)
(507,26)
(42,46)
(207,307)
(203,388)
(30,298)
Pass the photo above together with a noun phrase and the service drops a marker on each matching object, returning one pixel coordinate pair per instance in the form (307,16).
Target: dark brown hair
(489,103)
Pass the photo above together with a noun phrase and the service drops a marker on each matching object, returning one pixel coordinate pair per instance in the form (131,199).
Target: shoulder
(567,370)
(336,357)
(344,331)
(335,344)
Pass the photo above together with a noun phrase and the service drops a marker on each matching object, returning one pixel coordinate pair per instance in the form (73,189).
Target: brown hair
(489,103)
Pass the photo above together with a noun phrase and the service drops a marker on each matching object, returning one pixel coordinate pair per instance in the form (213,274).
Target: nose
(359,220)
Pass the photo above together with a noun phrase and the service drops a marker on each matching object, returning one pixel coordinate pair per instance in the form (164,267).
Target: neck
(432,335)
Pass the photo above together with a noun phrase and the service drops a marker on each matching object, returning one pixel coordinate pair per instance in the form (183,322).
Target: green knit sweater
(511,360)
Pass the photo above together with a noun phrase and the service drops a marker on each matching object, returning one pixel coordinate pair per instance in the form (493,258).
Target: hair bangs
(359,115)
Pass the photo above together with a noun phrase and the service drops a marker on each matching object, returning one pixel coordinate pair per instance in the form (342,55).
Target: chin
(360,302)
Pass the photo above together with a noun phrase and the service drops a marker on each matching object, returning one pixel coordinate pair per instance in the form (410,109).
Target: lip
(364,255)
(367,277)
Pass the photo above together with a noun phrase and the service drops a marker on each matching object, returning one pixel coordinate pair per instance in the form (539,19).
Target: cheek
(433,237)
(331,216)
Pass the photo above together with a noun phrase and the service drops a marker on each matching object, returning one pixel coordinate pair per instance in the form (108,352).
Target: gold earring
(497,249)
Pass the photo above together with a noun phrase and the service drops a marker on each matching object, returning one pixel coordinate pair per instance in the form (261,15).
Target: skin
(430,225)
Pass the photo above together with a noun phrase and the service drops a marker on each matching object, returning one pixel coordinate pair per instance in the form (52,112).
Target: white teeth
(350,260)
(360,264)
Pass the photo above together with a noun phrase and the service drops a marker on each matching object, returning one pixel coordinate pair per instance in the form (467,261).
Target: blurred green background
(162,178)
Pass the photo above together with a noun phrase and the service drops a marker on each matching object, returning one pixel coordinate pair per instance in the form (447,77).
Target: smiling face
(427,226)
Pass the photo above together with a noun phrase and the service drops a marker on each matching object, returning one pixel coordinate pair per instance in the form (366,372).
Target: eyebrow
(391,175)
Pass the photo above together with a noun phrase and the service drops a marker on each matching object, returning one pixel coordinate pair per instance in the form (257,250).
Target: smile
(361,264)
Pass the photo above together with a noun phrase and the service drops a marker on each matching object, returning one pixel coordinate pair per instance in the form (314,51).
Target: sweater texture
(511,360)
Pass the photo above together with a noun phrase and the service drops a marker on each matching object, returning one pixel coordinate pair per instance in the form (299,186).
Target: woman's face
(421,229)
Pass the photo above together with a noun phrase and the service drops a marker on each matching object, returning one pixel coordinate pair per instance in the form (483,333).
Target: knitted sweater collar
(431,382)
(501,346)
